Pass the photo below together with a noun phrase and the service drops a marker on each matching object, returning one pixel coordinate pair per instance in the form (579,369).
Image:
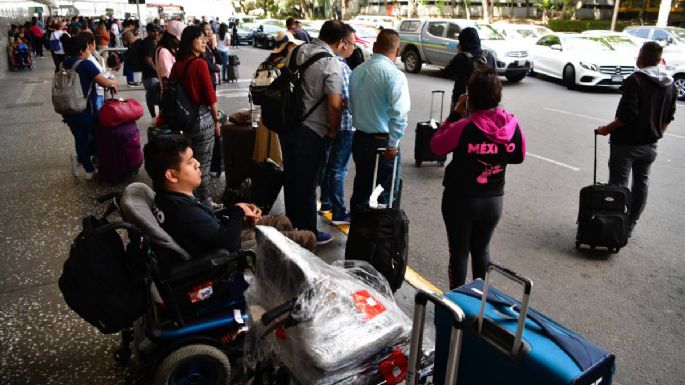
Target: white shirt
(56,36)
(222,45)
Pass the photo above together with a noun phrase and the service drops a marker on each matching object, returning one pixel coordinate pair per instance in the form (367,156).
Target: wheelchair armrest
(208,265)
(203,265)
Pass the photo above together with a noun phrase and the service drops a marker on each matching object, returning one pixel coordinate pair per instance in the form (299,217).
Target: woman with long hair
(482,144)
(222,44)
(193,74)
(166,49)
(210,49)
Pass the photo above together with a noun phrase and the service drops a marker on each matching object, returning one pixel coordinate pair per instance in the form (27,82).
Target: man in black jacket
(191,223)
(646,109)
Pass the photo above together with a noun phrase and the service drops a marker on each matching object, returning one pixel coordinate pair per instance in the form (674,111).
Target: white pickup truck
(434,41)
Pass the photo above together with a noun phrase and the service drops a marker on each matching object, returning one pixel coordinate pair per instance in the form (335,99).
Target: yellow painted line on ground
(411,276)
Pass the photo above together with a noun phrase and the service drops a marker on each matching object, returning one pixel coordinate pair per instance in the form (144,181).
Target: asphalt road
(630,303)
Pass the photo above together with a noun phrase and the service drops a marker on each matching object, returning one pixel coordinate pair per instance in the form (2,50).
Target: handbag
(117,112)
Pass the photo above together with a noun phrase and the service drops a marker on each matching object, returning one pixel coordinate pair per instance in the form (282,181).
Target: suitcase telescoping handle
(420,300)
(442,103)
(379,153)
(594,170)
(527,287)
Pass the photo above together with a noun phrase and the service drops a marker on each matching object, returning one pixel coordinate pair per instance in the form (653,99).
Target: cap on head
(175,28)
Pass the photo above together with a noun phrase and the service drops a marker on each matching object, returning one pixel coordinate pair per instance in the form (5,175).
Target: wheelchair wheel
(198,364)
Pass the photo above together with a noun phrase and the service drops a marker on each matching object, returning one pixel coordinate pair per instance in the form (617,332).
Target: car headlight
(591,67)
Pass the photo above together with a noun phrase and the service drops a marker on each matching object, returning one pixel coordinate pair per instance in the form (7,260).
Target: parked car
(673,38)
(434,41)
(528,33)
(245,35)
(265,36)
(375,21)
(581,60)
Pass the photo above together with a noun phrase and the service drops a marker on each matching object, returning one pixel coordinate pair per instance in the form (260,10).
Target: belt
(375,135)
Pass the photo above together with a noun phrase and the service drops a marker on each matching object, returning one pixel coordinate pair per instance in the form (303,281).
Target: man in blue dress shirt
(379,101)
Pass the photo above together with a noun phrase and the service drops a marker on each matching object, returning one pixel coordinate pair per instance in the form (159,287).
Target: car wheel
(516,77)
(412,61)
(194,364)
(679,82)
(570,77)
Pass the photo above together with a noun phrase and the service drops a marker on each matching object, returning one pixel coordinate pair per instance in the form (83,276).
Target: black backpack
(283,101)
(101,282)
(175,106)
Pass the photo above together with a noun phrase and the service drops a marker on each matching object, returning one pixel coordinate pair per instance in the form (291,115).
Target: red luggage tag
(368,306)
(394,368)
(200,292)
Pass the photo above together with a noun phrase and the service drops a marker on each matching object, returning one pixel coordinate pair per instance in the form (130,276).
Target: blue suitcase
(499,347)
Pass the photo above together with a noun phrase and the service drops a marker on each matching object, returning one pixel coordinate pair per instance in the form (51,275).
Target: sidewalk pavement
(42,205)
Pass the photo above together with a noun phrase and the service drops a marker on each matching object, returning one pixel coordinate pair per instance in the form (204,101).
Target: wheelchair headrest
(136,207)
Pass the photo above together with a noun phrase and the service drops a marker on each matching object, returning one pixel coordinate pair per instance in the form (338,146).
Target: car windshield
(486,32)
(679,33)
(586,44)
(366,32)
(526,33)
(268,28)
(620,42)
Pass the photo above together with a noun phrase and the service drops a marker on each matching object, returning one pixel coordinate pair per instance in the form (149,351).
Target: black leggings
(470,223)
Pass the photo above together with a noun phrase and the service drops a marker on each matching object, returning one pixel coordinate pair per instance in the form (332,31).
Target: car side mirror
(556,47)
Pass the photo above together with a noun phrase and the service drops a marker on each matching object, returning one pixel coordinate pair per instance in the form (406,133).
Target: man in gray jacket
(646,109)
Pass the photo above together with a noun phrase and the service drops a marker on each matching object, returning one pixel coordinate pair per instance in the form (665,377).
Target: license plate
(521,63)
(617,79)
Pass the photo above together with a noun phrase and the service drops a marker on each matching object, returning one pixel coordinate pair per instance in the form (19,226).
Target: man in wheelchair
(192,224)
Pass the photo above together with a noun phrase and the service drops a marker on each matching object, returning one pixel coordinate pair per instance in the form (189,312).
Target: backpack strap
(302,68)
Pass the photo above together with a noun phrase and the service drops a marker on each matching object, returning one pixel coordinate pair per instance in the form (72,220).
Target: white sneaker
(75,166)
(91,175)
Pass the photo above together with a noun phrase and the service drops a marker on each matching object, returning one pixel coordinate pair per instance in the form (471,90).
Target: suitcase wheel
(441,164)
(577,245)
(592,247)
(615,249)
(418,163)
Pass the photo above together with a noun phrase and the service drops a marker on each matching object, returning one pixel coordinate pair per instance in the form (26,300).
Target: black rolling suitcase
(381,237)
(424,134)
(233,63)
(603,218)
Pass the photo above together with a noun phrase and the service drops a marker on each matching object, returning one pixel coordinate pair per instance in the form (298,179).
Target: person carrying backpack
(192,73)
(321,108)
(55,44)
(81,123)
(469,56)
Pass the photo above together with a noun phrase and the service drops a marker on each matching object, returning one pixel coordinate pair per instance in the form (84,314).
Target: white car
(673,61)
(376,21)
(581,60)
(528,33)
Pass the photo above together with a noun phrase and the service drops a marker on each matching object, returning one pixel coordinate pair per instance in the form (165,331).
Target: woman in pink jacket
(482,145)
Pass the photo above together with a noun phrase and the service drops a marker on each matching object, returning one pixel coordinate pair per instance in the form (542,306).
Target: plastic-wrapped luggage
(325,323)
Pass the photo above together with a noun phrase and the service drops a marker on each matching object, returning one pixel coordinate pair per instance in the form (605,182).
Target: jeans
(639,159)
(129,73)
(301,156)
(364,154)
(224,65)
(332,187)
(82,126)
(152,94)
(470,223)
(58,58)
